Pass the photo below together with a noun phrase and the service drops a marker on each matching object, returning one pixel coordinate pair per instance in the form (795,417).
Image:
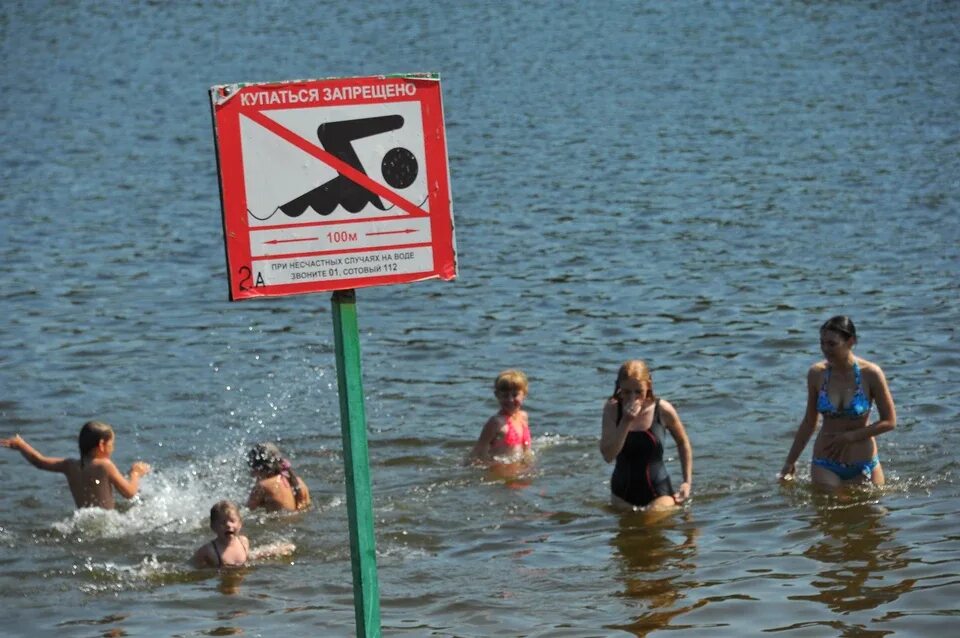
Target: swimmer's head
(842,325)
(511,381)
(91,435)
(635,370)
(224,511)
(265,458)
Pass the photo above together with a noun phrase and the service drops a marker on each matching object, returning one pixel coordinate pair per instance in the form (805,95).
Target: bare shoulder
(667,408)
(203,557)
(669,416)
(870,370)
(815,373)
(495,422)
(103,467)
(868,366)
(610,406)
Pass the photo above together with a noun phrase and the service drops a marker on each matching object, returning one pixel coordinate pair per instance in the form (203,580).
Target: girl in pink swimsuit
(506,435)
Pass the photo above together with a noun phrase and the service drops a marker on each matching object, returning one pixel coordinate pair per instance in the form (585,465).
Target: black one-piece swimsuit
(639,475)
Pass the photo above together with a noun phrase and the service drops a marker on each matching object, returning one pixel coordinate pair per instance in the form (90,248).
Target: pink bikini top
(516,435)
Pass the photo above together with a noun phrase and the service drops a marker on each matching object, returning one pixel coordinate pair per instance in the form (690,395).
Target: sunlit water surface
(696,184)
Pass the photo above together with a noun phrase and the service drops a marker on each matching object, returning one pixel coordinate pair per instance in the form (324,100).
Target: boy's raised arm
(48,463)
(127,487)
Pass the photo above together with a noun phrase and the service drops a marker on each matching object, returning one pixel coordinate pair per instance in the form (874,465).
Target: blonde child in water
(231,548)
(93,476)
(277,487)
(506,434)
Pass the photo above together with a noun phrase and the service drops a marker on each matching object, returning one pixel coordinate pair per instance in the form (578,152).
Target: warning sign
(333,184)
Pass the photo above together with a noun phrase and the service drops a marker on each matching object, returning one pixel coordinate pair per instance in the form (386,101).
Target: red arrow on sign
(393,232)
(290,241)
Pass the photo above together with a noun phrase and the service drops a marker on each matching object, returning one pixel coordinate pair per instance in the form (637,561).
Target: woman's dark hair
(841,324)
(266,458)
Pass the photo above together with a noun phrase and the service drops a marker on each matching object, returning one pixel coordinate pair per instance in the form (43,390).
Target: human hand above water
(15,442)
(140,468)
(788,472)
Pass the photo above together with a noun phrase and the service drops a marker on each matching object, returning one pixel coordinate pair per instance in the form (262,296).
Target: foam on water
(728,179)
(99,577)
(172,499)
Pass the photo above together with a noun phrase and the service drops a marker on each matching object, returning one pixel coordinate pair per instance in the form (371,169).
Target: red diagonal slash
(336,164)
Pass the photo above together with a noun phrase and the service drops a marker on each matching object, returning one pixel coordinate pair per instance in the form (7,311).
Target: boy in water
(93,476)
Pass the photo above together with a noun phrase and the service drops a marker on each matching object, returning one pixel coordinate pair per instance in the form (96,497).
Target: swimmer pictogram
(399,167)
(356,186)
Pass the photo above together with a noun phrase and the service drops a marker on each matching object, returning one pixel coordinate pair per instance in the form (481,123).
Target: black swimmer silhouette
(399,167)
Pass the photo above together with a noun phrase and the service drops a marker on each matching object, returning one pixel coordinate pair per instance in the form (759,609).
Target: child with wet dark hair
(93,476)
(277,487)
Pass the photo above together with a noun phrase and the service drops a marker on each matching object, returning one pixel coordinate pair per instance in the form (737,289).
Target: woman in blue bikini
(841,390)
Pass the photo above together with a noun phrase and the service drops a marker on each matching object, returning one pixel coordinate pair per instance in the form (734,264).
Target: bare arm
(37,460)
(203,557)
(885,409)
(671,421)
(273,550)
(612,433)
(127,487)
(304,494)
(807,427)
(489,433)
(255,499)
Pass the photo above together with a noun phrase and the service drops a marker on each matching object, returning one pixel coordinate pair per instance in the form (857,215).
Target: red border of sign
(228,104)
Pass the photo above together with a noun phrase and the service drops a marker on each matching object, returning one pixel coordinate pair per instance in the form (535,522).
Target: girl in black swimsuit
(635,422)
(229,548)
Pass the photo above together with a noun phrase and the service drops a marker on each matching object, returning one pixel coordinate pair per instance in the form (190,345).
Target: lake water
(696,184)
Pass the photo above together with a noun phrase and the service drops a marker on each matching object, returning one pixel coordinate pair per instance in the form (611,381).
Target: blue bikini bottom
(847,471)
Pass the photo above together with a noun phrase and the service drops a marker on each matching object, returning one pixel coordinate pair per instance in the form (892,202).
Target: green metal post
(353,422)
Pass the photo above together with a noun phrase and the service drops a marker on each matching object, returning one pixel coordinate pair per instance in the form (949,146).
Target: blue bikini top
(859,404)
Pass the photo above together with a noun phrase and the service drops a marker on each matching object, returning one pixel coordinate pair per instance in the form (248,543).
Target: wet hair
(511,380)
(221,510)
(91,434)
(842,325)
(637,370)
(265,458)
